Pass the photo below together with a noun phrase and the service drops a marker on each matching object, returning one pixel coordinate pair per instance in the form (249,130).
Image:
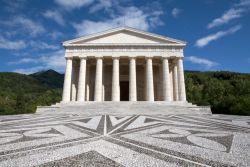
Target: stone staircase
(140,107)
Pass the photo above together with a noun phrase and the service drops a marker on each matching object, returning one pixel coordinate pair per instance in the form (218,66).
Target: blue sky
(217,31)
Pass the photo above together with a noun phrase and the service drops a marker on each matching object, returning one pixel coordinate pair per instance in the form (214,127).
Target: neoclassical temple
(124,64)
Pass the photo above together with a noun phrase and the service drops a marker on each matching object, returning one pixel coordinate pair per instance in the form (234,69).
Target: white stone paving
(52,138)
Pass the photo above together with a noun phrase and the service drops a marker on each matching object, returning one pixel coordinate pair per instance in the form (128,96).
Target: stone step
(135,107)
(140,107)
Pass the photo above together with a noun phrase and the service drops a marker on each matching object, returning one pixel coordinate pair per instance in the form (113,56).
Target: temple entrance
(124,91)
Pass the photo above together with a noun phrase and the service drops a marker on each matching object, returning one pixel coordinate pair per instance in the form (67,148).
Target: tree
(20,103)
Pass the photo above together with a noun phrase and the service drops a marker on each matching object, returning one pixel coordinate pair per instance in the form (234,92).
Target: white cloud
(237,11)
(176,12)
(213,37)
(42,45)
(32,27)
(26,25)
(14,5)
(12,45)
(226,17)
(21,44)
(101,4)
(131,16)
(29,70)
(54,60)
(55,34)
(243,3)
(23,61)
(73,4)
(54,15)
(202,61)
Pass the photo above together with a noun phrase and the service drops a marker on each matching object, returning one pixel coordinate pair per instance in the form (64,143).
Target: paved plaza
(120,139)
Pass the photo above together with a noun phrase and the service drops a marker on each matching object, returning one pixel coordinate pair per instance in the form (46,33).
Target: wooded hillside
(225,92)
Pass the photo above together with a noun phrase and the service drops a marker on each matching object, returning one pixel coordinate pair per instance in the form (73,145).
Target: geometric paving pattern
(78,139)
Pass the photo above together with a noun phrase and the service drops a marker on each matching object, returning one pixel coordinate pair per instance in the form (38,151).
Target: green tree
(20,103)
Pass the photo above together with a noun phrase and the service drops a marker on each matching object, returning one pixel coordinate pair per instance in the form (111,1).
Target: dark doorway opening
(124,91)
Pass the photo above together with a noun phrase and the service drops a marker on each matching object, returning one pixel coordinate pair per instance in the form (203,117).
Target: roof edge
(120,29)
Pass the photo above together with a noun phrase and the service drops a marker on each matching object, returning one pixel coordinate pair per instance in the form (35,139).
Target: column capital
(165,57)
(115,57)
(179,58)
(148,57)
(68,58)
(174,59)
(83,57)
(132,57)
(98,57)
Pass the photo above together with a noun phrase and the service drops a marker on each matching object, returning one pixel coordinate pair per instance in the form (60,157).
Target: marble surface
(120,139)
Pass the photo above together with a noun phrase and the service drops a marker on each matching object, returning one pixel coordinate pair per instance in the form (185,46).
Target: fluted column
(149,80)
(181,80)
(166,80)
(87,92)
(115,80)
(171,82)
(132,80)
(98,80)
(175,82)
(82,80)
(67,80)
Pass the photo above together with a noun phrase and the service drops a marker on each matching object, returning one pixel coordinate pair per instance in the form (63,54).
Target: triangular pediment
(123,35)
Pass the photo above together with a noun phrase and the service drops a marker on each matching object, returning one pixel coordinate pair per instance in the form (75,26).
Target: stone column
(132,80)
(87,92)
(74,80)
(171,81)
(67,80)
(149,80)
(103,85)
(115,80)
(175,82)
(166,80)
(160,83)
(98,80)
(82,80)
(181,80)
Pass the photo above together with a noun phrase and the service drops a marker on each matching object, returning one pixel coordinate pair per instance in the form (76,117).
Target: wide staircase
(140,107)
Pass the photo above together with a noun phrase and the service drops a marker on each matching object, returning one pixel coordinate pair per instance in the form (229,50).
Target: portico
(124,64)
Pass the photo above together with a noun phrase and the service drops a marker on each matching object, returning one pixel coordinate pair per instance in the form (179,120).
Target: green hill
(21,93)
(50,78)
(225,92)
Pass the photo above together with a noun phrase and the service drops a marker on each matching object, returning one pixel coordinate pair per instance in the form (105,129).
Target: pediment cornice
(141,38)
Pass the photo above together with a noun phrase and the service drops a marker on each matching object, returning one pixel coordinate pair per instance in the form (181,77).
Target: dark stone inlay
(147,120)
(178,154)
(84,120)
(109,125)
(224,140)
(90,159)
(157,155)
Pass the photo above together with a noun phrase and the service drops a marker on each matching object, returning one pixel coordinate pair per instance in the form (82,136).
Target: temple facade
(124,64)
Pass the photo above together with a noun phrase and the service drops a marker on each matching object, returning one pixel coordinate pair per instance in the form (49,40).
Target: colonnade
(179,92)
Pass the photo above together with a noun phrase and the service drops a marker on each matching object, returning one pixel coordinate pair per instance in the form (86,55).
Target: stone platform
(139,107)
(76,137)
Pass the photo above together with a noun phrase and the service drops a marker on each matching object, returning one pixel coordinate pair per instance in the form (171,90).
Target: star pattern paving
(78,139)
